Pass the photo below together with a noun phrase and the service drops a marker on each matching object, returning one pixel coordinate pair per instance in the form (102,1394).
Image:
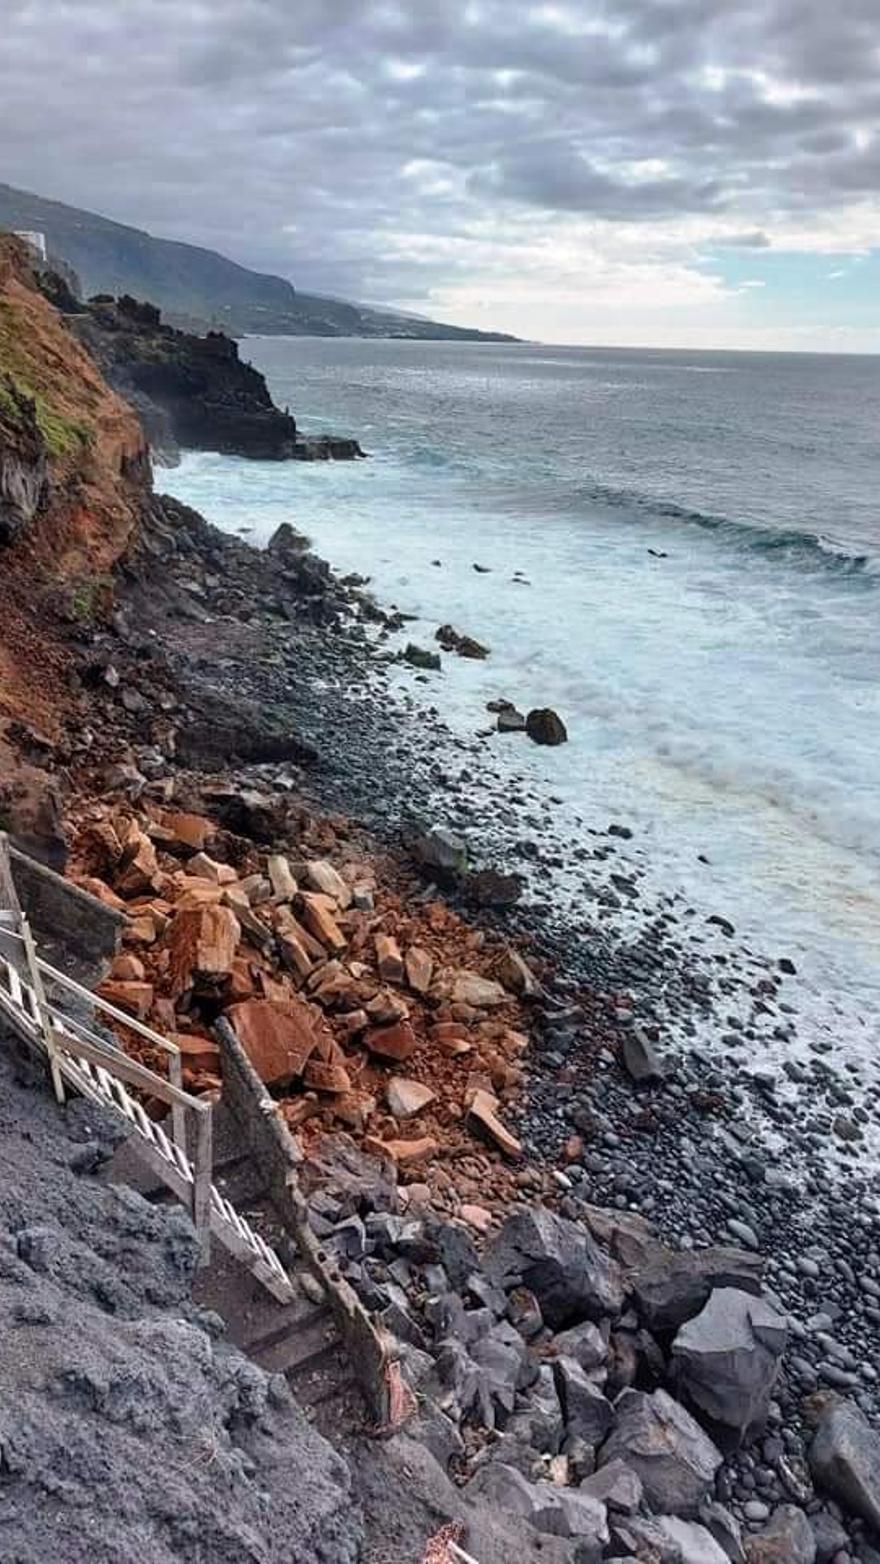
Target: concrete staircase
(298,1338)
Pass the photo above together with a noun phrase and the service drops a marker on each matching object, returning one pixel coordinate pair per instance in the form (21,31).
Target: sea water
(680,552)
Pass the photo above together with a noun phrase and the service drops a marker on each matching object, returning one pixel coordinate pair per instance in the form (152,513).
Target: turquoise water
(700,535)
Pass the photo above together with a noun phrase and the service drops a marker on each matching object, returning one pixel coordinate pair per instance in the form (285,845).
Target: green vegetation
(62,435)
(88,597)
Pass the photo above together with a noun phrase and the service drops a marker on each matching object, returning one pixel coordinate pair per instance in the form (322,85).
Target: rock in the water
(726,1359)
(510,720)
(660,1441)
(669,1286)
(845,1460)
(452,640)
(419,657)
(788,1538)
(571,1277)
(545,726)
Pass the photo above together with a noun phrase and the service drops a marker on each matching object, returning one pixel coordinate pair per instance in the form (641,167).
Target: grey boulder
(660,1441)
(640,1058)
(666,1539)
(571,1277)
(586,1411)
(558,1512)
(845,1460)
(726,1359)
(587,1345)
(670,1286)
(617,1486)
(788,1538)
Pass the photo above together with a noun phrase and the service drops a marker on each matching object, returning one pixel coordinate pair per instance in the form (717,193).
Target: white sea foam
(722,700)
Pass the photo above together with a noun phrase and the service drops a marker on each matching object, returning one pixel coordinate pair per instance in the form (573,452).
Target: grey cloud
(331,140)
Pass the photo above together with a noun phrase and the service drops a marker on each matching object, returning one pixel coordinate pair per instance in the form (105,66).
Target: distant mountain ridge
(196,287)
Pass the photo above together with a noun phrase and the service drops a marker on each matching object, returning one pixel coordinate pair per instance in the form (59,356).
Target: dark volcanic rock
(845,1460)
(545,726)
(787,1539)
(571,1277)
(660,1441)
(670,1286)
(726,1359)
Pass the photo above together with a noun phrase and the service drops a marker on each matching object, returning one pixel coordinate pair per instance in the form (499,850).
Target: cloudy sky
(695,172)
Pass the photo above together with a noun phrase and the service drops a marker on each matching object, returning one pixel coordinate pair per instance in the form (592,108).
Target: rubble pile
(395,1023)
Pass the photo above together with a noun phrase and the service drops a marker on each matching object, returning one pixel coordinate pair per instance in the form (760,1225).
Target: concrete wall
(74,931)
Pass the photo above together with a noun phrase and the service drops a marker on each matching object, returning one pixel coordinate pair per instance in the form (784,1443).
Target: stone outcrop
(24,463)
(194,391)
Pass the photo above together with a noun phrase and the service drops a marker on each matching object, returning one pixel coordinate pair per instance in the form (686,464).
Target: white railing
(80,1057)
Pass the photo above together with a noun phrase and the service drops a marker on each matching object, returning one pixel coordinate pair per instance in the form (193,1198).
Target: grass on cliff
(63,435)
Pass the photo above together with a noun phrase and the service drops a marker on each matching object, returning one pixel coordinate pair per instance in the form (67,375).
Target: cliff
(193,391)
(71,451)
(196,287)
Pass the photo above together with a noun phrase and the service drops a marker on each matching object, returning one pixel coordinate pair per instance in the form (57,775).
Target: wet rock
(440,850)
(726,1359)
(544,726)
(464,645)
(845,1460)
(673,1457)
(670,1286)
(419,657)
(572,1278)
(509,720)
(787,1539)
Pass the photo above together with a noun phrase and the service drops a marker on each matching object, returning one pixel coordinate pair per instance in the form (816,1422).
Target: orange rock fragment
(203,944)
(135,998)
(482,1116)
(391,1042)
(419,969)
(279,1043)
(389,959)
(320,922)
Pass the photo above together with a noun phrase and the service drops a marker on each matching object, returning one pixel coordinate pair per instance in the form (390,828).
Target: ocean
(681,554)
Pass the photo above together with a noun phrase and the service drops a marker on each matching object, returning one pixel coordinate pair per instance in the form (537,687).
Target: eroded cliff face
(74,478)
(24,462)
(72,453)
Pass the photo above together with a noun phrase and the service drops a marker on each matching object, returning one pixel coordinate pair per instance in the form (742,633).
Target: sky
(696,173)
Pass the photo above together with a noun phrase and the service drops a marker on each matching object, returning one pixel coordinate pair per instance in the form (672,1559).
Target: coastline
(254,691)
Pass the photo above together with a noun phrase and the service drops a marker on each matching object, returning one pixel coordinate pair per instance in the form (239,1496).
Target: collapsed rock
(660,1441)
(788,1538)
(726,1359)
(571,1277)
(669,1286)
(845,1460)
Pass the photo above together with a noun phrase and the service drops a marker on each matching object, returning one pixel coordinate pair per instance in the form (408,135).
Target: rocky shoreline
(683,1143)
(621,1390)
